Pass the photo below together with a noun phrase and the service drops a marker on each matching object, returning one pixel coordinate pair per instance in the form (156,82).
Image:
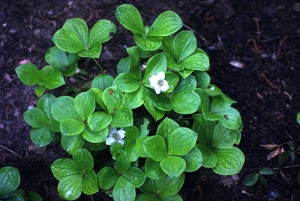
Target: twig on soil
(14,153)
(268,81)
(256,20)
(256,49)
(286,167)
(186,26)
(55,16)
(279,47)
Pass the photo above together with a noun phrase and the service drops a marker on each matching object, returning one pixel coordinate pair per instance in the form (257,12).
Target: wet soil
(260,38)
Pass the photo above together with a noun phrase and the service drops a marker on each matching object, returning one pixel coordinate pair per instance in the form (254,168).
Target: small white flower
(159,83)
(115,135)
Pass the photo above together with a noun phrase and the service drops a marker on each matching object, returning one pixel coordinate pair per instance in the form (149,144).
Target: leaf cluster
(158,150)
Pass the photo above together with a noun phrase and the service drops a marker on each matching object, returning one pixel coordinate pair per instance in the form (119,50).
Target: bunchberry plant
(145,127)
(10,181)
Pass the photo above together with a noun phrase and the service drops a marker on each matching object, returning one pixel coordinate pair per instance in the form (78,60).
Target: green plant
(252,178)
(10,181)
(147,126)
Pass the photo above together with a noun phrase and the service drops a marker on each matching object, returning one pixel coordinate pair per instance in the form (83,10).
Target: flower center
(116,136)
(160,82)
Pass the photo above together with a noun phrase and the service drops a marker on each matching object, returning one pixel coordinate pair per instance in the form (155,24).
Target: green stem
(286,167)
(103,71)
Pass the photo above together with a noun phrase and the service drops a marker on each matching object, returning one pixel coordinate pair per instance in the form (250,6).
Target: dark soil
(266,88)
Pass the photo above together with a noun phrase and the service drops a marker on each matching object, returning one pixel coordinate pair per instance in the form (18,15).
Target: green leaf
(175,197)
(98,121)
(45,103)
(84,105)
(155,64)
(36,118)
(204,128)
(69,188)
(68,41)
(33,196)
(64,167)
(165,24)
(54,80)
(153,169)
(166,127)
(130,18)
(144,128)
(184,44)
(155,147)
(127,82)
(283,157)
(93,52)
(193,160)
(147,44)
(135,61)
(56,58)
(172,80)
(102,82)
(203,79)
(132,133)
(191,102)
(298,117)
(136,176)
(124,65)
(139,146)
(160,101)
(250,179)
(63,108)
(71,127)
(71,143)
(135,99)
(95,137)
(224,138)
(123,190)
(263,181)
(186,85)
(266,171)
(79,27)
(122,166)
(196,61)
(169,186)
(83,159)
(28,74)
(89,183)
(113,98)
(146,197)
(231,119)
(10,180)
(210,159)
(182,141)
(122,117)
(173,166)
(156,113)
(39,90)
(101,32)
(230,161)
(98,96)
(107,177)
(41,136)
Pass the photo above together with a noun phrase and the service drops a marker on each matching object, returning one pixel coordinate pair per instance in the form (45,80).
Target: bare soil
(264,36)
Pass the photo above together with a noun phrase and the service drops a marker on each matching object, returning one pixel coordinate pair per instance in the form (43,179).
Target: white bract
(115,135)
(159,83)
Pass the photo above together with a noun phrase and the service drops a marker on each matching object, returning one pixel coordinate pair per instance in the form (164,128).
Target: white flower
(115,135)
(159,83)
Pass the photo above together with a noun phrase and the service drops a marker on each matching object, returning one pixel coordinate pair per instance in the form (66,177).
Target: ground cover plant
(149,125)
(252,48)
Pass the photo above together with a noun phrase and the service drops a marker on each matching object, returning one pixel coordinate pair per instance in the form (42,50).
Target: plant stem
(286,167)
(103,71)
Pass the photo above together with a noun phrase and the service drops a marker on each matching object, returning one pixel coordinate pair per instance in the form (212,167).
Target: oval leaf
(155,147)
(10,180)
(173,166)
(182,141)
(107,177)
(36,118)
(70,187)
(84,105)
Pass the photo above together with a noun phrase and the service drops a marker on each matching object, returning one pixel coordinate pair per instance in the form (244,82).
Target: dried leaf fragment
(275,153)
(270,147)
